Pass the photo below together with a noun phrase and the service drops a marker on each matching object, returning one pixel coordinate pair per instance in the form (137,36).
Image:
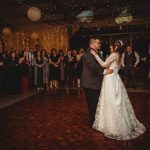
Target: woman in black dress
(39,63)
(13,77)
(54,68)
(24,72)
(79,66)
(62,66)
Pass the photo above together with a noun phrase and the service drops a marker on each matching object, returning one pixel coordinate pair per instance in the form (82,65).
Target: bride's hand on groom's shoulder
(93,52)
(109,71)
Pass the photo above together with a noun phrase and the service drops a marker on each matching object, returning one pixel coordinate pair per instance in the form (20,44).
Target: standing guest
(31,69)
(13,79)
(17,54)
(30,61)
(39,63)
(24,72)
(130,60)
(1,74)
(149,67)
(75,63)
(45,68)
(62,68)
(69,68)
(79,66)
(54,68)
(6,58)
(145,64)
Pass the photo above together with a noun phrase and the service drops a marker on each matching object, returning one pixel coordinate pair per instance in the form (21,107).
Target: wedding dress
(114,115)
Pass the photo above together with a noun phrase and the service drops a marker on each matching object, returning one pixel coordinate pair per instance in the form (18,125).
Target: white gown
(114,115)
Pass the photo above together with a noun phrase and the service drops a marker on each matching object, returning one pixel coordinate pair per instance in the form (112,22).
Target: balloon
(34,14)
(6,31)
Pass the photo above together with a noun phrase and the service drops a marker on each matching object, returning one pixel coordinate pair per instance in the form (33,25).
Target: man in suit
(30,61)
(92,76)
(130,60)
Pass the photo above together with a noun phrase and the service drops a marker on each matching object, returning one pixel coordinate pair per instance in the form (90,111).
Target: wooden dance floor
(58,120)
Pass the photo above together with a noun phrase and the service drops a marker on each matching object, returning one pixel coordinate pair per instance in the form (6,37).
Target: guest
(79,66)
(145,64)
(130,60)
(39,63)
(13,79)
(62,66)
(69,68)
(6,58)
(75,63)
(17,54)
(1,74)
(29,53)
(54,68)
(24,72)
(45,68)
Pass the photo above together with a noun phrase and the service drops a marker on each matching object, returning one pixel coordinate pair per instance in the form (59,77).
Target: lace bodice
(111,62)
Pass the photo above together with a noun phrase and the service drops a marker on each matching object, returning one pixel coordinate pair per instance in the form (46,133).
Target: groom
(92,76)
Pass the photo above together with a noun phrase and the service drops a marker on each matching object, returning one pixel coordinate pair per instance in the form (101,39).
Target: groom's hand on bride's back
(109,71)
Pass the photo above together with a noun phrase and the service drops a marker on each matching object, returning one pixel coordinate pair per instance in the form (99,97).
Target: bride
(114,115)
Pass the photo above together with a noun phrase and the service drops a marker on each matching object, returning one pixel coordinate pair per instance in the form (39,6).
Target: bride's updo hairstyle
(119,47)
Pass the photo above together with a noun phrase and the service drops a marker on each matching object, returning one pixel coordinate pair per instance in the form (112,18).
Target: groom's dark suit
(91,81)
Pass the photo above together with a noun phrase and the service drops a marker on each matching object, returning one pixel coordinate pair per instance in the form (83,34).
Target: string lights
(62,14)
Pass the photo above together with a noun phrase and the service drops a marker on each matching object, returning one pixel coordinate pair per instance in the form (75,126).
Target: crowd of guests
(28,69)
(37,69)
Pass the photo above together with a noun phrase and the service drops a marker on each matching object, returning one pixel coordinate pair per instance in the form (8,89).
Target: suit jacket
(92,73)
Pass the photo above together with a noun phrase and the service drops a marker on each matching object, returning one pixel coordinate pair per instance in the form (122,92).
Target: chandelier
(85,16)
(124,17)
